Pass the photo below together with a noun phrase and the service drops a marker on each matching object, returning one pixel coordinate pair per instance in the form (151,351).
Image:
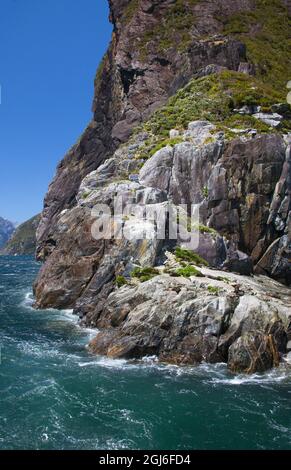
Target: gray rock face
(186,314)
(186,321)
(134,79)
(157,171)
(183,170)
(248,196)
(178,174)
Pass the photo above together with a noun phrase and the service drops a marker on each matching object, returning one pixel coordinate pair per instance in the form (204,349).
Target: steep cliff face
(186,111)
(156,47)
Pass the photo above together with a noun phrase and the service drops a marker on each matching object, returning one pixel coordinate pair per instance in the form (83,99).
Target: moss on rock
(145,274)
(187,271)
(190,256)
(266,32)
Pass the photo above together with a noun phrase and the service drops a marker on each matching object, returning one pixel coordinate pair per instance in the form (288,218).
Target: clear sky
(49,52)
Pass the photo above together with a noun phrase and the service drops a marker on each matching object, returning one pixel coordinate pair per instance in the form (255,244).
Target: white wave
(211,373)
(287,358)
(274,376)
(105,362)
(65,313)
(38,350)
(28,301)
(150,360)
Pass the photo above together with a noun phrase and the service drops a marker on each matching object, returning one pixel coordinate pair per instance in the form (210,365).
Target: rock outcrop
(210,145)
(234,319)
(23,240)
(6,231)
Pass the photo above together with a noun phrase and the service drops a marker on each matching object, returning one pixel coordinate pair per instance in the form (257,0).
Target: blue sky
(49,52)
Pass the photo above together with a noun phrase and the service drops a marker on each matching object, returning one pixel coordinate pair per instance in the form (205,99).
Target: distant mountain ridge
(23,239)
(7,228)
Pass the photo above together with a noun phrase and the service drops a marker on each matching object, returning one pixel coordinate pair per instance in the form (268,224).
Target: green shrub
(212,98)
(145,274)
(187,271)
(204,229)
(173,29)
(186,255)
(121,281)
(266,33)
(213,290)
(205,192)
(224,279)
(165,143)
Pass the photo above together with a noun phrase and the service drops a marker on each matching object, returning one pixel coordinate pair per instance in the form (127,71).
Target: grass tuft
(145,274)
(186,255)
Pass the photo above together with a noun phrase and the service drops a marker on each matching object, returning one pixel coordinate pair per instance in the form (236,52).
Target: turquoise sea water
(54,395)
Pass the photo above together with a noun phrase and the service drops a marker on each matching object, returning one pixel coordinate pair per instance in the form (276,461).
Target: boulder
(199,131)
(190,320)
(253,352)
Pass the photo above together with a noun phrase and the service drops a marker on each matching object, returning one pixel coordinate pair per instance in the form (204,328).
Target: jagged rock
(240,211)
(179,174)
(182,170)
(134,79)
(238,262)
(238,176)
(276,260)
(186,321)
(157,170)
(199,131)
(209,70)
(253,352)
(212,248)
(272,119)
(248,109)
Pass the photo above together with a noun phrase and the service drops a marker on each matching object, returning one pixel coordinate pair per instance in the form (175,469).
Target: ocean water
(55,395)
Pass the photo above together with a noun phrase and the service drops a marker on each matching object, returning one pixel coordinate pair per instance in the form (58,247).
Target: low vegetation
(189,256)
(172,30)
(213,290)
(121,281)
(205,229)
(266,32)
(144,274)
(187,271)
(214,98)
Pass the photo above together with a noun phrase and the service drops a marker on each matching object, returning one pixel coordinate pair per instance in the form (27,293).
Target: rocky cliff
(6,230)
(189,108)
(23,241)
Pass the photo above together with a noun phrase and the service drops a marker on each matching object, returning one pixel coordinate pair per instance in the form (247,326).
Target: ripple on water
(69,399)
